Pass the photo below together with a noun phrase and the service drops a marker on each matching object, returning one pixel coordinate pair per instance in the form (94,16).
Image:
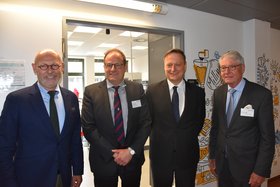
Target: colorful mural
(268,75)
(207,74)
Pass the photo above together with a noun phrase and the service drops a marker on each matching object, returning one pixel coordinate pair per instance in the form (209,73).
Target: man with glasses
(242,140)
(116,122)
(40,142)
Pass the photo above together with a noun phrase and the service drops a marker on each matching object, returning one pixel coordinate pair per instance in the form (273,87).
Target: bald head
(47,54)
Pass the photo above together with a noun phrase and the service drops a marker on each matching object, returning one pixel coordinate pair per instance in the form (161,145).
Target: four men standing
(40,143)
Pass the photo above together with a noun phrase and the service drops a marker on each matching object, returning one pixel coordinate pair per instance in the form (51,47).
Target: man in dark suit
(174,148)
(241,146)
(32,152)
(116,122)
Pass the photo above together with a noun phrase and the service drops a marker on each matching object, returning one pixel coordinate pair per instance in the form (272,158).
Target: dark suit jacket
(175,145)
(250,141)
(98,127)
(30,152)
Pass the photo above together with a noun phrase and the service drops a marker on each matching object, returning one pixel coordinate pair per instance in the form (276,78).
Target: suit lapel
(107,108)
(241,102)
(39,109)
(67,107)
(224,102)
(166,98)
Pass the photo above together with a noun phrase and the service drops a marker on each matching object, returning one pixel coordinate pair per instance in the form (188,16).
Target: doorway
(87,41)
(84,44)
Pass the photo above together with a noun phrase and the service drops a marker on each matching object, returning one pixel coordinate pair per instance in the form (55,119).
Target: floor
(275,182)
(88,176)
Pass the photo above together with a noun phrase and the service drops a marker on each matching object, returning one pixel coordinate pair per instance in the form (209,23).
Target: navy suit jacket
(250,140)
(30,153)
(98,127)
(175,144)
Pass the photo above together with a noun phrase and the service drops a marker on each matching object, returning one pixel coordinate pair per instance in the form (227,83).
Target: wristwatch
(131,151)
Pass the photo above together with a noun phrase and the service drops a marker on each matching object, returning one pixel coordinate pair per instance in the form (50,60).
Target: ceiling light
(87,29)
(138,47)
(132,34)
(108,45)
(147,6)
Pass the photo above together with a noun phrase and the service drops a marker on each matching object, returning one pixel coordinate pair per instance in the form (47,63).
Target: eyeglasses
(116,65)
(45,66)
(230,68)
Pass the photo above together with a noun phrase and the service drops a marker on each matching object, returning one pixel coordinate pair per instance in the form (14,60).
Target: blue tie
(175,103)
(118,118)
(230,105)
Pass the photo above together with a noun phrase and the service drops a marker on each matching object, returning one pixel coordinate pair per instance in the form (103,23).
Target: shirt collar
(110,85)
(239,88)
(181,85)
(44,91)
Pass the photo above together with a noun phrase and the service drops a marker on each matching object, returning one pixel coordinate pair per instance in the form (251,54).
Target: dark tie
(53,113)
(175,103)
(230,105)
(118,118)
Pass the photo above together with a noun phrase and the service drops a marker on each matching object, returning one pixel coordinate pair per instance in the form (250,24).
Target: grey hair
(234,55)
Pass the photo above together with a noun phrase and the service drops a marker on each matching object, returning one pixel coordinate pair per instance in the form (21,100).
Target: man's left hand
(76,181)
(256,180)
(122,156)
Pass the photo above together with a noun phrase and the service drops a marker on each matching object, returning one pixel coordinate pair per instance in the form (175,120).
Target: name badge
(136,104)
(247,111)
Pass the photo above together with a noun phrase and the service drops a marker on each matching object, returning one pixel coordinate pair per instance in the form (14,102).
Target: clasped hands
(121,156)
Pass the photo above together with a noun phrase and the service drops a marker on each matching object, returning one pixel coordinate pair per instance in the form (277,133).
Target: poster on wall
(12,75)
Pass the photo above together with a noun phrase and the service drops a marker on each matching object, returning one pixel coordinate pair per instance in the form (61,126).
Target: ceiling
(85,43)
(243,10)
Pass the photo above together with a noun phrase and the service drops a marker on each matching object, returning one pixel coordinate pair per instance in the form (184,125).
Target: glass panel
(75,67)
(76,85)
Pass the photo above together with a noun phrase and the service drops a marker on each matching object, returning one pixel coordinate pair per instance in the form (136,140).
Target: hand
(76,181)
(256,180)
(122,156)
(212,166)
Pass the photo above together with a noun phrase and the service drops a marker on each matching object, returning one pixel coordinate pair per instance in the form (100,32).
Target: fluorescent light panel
(153,6)
(108,45)
(132,34)
(138,47)
(84,29)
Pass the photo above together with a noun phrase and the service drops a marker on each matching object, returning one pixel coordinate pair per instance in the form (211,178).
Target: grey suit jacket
(98,126)
(250,141)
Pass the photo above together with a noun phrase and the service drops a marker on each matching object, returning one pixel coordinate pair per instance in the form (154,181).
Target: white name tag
(247,112)
(136,104)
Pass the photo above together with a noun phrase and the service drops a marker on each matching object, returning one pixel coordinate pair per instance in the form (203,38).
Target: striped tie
(118,118)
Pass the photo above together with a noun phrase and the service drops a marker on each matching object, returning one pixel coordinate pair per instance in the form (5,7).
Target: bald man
(35,151)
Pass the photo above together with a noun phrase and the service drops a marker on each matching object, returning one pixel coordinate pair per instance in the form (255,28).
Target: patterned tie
(230,105)
(175,103)
(118,118)
(53,113)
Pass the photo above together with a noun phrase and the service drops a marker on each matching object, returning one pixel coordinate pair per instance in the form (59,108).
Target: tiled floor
(88,176)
